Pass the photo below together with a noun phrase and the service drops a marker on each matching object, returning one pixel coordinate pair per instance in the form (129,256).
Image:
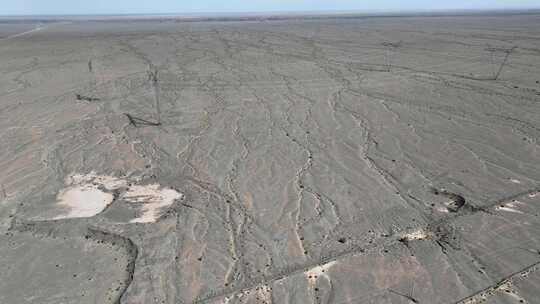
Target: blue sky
(37,7)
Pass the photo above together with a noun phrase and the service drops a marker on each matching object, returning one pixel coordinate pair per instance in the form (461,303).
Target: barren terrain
(332,160)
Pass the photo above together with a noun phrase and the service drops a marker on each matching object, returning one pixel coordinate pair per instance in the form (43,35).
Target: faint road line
(35,29)
(355,250)
(487,292)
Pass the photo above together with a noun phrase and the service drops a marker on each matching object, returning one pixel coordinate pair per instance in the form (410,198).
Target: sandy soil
(338,160)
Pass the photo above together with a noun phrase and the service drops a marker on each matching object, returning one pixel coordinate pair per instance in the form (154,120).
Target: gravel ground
(332,160)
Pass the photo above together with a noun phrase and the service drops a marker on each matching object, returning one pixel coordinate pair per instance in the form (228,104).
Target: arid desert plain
(271,160)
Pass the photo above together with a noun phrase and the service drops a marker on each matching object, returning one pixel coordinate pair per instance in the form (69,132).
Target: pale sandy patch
(507,209)
(416,235)
(83,201)
(442,209)
(107,181)
(87,195)
(319,271)
(513,204)
(83,197)
(76,179)
(153,198)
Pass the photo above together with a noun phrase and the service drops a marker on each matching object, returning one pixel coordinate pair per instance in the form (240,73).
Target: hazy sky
(32,7)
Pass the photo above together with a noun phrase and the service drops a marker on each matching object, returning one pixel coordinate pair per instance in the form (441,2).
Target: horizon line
(295,13)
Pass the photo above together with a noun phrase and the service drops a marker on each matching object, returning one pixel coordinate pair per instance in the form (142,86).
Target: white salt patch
(86,195)
(515,181)
(83,201)
(153,198)
(83,197)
